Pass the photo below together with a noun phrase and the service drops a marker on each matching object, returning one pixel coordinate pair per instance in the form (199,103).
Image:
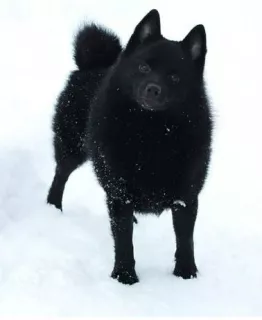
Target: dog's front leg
(121,219)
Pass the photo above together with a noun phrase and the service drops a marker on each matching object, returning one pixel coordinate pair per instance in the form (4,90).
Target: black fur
(145,123)
(95,48)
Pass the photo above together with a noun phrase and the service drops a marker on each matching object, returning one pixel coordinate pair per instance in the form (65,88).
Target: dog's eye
(175,78)
(144,68)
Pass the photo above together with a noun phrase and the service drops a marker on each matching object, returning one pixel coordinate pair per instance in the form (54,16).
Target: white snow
(59,264)
(180,202)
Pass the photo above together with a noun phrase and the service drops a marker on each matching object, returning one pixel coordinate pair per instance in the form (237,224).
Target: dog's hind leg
(62,173)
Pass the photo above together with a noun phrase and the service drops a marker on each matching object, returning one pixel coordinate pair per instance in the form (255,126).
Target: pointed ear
(195,43)
(148,29)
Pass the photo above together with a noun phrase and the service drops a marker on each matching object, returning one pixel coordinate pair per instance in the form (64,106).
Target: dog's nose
(152,91)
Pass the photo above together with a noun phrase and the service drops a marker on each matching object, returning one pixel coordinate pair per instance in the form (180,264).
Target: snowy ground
(53,264)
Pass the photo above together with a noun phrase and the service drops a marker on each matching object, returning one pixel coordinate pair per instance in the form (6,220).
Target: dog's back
(71,114)
(95,50)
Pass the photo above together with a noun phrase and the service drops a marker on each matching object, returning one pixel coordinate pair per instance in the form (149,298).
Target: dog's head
(158,73)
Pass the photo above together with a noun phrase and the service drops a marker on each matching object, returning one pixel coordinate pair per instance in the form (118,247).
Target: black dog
(142,116)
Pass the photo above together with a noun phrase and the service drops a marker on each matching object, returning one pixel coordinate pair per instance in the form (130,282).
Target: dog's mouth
(152,105)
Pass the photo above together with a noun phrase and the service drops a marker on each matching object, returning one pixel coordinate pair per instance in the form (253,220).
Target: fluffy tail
(95,47)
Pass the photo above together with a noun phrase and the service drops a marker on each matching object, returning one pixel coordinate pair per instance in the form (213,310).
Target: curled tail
(95,47)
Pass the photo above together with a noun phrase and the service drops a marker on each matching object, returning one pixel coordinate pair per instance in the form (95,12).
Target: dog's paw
(54,203)
(125,276)
(185,270)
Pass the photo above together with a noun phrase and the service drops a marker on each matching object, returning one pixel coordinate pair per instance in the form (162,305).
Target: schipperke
(142,116)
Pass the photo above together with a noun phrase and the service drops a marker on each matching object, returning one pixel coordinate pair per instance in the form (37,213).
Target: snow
(59,264)
(180,203)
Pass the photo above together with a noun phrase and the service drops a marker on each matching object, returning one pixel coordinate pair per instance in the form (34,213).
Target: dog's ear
(147,30)
(195,43)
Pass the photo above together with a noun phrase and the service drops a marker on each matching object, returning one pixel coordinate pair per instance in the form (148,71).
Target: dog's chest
(157,160)
(150,157)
